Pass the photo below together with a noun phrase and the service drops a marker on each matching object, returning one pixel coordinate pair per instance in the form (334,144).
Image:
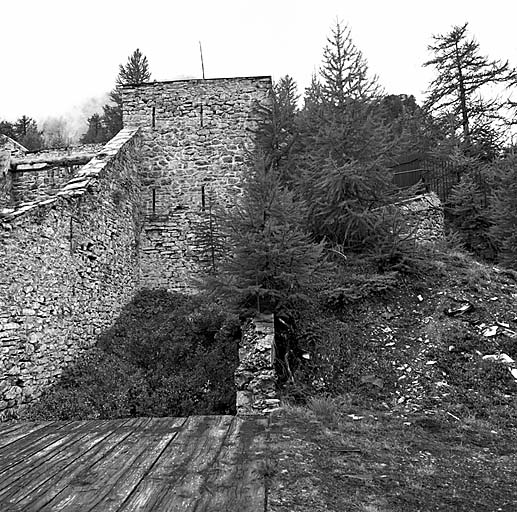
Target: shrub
(468,214)
(97,386)
(166,355)
(504,213)
(272,259)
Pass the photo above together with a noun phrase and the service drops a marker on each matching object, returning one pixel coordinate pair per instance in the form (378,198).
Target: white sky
(61,56)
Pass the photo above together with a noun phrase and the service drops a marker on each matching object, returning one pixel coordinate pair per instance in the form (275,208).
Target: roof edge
(201,80)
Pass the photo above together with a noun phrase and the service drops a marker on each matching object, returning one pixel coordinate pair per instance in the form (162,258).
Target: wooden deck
(200,463)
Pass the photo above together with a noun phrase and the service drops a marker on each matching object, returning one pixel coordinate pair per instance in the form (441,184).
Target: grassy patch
(380,461)
(396,409)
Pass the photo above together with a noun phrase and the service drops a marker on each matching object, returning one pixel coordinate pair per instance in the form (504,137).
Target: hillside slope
(418,418)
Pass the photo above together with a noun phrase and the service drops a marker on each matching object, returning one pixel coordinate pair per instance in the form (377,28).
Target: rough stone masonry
(197,135)
(75,248)
(68,264)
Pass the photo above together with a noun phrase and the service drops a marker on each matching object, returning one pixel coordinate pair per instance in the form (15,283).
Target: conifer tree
(467,213)
(28,133)
(345,144)
(279,133)
(504,212)
(272,259)
(135,71)
(8,129)
(96,131)
(462,92)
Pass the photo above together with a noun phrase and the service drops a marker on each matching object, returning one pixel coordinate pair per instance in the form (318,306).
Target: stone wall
(39,175)
(423,217)
(5,179)
(14,148)
(68,264)
(255,377)
(30,184)
(9,148)
(196,137)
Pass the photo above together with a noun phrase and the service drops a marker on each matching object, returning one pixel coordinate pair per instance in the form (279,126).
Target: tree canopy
(135,71)
(460,94)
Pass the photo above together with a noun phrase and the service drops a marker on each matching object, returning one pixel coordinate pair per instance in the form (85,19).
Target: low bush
(166,355)
(98,385)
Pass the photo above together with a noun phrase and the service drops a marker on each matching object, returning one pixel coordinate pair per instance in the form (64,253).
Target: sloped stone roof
(10,144)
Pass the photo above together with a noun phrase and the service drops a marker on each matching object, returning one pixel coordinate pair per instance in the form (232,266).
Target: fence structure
(433,175)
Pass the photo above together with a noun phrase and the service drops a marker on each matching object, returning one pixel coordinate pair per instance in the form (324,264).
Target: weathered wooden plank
(92,485)
(196,445)
(232,481)
(32,472)
(19,431)
(236,482)
(8,426)
(42,496)
(120,480)
(24,447)
(164,464)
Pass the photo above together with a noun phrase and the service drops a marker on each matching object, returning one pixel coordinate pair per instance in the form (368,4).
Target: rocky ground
(442,436)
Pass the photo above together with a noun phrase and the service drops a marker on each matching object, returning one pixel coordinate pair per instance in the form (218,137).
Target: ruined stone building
(82,230)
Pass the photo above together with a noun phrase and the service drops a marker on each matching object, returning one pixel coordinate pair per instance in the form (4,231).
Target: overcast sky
(62,56)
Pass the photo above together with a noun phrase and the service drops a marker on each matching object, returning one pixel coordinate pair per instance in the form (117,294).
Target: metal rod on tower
(202,63)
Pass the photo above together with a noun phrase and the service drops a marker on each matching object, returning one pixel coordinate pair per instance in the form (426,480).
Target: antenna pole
(202,63)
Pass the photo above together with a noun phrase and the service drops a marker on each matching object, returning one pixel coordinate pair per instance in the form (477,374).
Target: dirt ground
(443,437)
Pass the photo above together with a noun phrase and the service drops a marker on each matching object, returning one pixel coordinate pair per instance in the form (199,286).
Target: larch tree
(345,144)
(503,211)
(278,134)
(462,92)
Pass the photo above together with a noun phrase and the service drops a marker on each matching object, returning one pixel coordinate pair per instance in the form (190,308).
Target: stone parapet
(255,377)
(424,217)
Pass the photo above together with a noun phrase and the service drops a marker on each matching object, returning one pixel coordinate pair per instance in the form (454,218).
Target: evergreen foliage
(96,130)
(28,133)
(462,92)
(278,135)
(135,71)
(7,128)
(345,145)
(504,212)
(414,129)
(273,260)
(468,214)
